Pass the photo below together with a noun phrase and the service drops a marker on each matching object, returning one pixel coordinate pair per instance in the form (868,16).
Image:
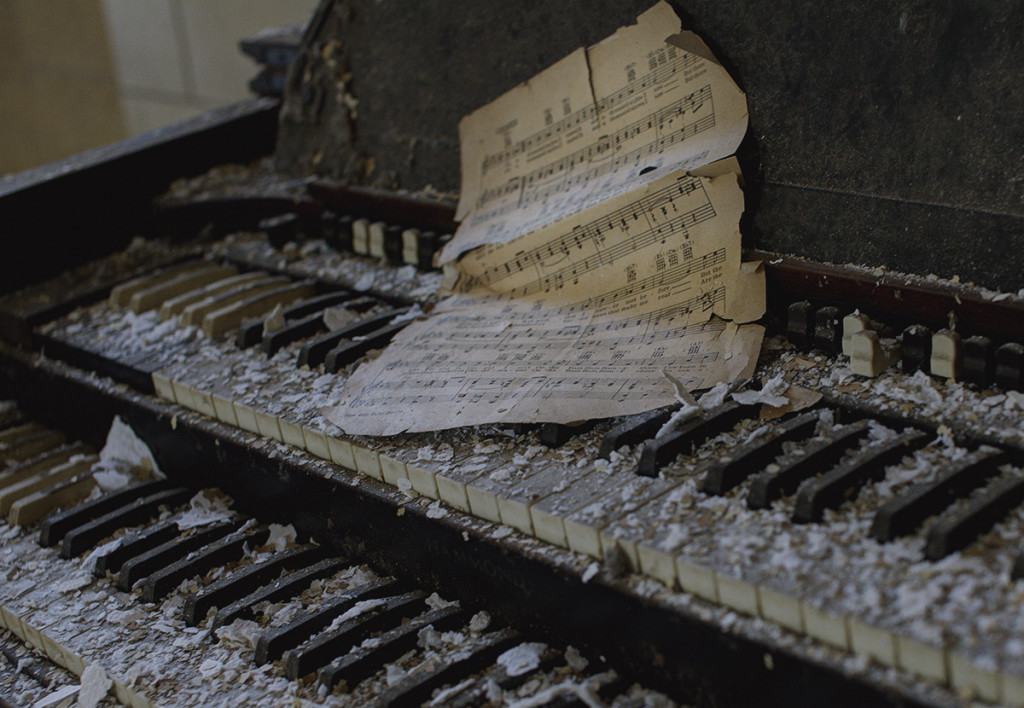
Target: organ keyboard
(863,548)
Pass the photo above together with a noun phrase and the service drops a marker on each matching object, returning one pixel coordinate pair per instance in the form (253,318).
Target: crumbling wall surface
(882,133)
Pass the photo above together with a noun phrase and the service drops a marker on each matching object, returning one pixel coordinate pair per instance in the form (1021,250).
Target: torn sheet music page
(578,320)
(585,282)
(645,102)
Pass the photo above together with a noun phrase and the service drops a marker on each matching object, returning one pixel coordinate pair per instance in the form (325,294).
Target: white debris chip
(480,621)
(123,454)
(275,320)
(240,633)
(436,602)
(590,572)
(60,697)
(522,659)
(90,560)
(361,607)
(206,507)
(95,686)
(773,393)
(280,536)
(410,314)
(75,582)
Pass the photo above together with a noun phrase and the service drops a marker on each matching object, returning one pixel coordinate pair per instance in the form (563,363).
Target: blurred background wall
(75,74)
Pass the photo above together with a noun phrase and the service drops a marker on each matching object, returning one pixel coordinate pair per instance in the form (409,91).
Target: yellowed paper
(508,361)
(588,277)
(602,121)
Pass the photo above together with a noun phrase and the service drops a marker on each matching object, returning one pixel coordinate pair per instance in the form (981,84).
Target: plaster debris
(95,685)
(206,507)
(522,659)
(280,537)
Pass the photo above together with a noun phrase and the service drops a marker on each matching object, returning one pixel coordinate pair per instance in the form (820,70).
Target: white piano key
(367,461)
(316,443)
(851,325)
(737,594)
(873,642)
(972,681)
(781,609)
(176,305)
(922,659)
(826,627)
(361,236)
(341,452)
(947,354)
(697,580)
(375,239)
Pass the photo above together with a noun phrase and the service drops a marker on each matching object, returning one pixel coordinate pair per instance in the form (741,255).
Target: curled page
(600,248)
(602,121)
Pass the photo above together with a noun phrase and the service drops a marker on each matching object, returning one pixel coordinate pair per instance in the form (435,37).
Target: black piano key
(138,567)
(361,663)
(916,349)
(558,434)
(319,650)
(318,303)
(428,246)
(819,455)
(393,244)
(329,227)
(347,352)
(979,361)
(245,581)
(281,229)
(286,586)
(273,644)
(729,471)
(53,528)
(475,695)
(905,513)
(81,538)
(957,528)
(314,352)
(134,545)
(1009,374)
(273,342)
(416,688)
(664,449)
(10,418)
(843,482)
(828,330)
(229,548)
(637,429)
(800,325)
(344,233)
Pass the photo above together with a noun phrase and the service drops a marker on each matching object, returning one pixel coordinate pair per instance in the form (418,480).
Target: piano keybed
(777,540)
(174,598)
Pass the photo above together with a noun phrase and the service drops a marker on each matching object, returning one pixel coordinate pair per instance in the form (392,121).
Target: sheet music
(645,102)
(589,282)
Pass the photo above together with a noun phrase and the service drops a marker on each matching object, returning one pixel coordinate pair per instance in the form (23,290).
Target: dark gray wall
(881,133)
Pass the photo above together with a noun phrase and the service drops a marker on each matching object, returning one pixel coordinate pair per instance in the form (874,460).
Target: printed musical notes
(592,260)
(601,122)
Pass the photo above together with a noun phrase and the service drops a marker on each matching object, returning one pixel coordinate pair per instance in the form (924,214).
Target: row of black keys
(158,558)
(983,363)
(822,479)
(334,349)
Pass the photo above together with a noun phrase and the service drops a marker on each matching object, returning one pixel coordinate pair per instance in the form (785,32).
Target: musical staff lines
(667,278)
(652,218)
(662,122)
(590,113)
